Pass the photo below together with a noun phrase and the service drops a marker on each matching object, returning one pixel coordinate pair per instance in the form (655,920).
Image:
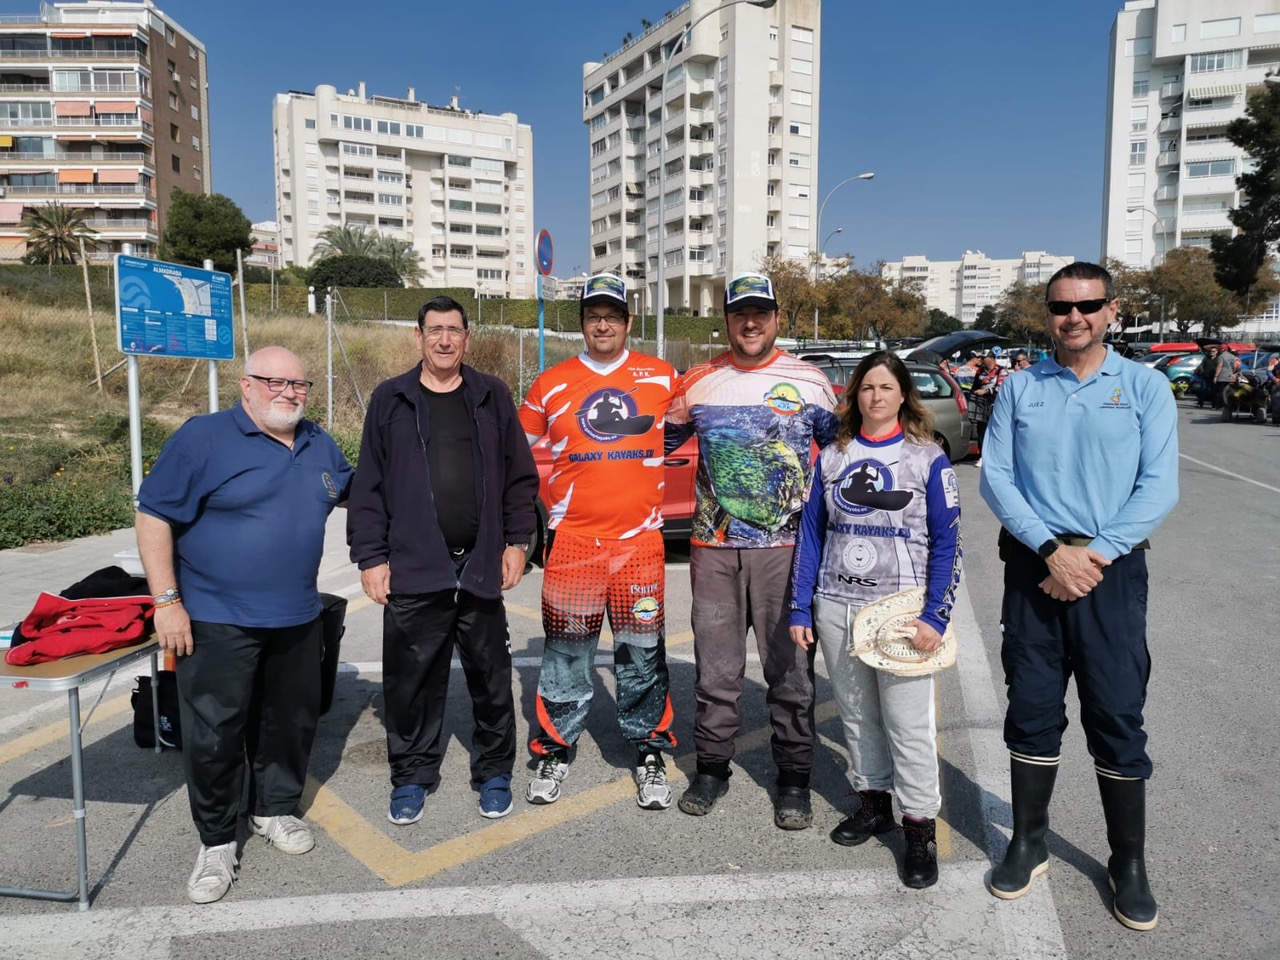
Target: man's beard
(276,418)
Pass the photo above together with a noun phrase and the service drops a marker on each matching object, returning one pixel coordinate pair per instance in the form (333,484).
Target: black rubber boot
(1028,854)
(920,865)
(1124,804)
(874,816)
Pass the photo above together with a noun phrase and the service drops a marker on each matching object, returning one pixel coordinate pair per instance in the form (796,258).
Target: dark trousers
(1100,639)
(733,591)
(419,633)
(247,693)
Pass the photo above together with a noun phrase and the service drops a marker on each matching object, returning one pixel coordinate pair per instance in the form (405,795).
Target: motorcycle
(1247,394)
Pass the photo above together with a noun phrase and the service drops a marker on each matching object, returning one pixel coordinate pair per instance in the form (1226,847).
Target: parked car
(939,391)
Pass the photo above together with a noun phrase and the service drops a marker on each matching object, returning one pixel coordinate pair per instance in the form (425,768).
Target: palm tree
(402,256)
(346,241)
(54,233)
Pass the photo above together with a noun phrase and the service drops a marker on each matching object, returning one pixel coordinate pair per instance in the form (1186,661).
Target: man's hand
(513,561)
(926,639)
(1055,589)
(173,629)
(1075,571)
(802,637)
(376,583)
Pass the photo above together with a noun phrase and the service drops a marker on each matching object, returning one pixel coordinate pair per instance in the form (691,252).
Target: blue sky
(983,122)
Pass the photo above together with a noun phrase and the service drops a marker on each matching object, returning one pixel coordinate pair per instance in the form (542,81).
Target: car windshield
(931,384)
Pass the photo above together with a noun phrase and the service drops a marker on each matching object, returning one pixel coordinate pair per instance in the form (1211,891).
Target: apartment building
(103,107)
(1181,70)
(705,153)
(457,185)
(963,287)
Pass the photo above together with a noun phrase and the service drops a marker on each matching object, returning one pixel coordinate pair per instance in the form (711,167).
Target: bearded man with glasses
(442,514)
(255,481)
(1080,465)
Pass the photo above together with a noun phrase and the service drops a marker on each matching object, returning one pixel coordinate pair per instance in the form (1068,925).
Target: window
(799,129)
(1211,168)
(797,251)
(462,206)
(357,150)
(798,221)
(389,128)
(173,101)
(1178,33)
(174,134)
(191,51)
(169,36)
(797,159)
(309,124)
(390,176)
(1266,23)
(801,66)
(1138,119)
(773,158)
(1137,184)
(803,98)
(414,130)
(391,199)
(195,113)
(1228,27)
(771,189)
(175,163)
(799,190)
(195,144)
(801,35)
(1141,83)
(1137,47)
(770,220)
(1137,153)
(364,124)
(1216,62)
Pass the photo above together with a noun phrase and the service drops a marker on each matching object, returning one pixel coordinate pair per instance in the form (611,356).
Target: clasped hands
(1073,572)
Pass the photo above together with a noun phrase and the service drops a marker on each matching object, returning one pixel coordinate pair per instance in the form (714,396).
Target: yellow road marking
(942,832)
(33,741)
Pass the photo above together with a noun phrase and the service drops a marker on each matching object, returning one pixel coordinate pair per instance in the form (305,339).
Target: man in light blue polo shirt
(230,529)
(1080,465)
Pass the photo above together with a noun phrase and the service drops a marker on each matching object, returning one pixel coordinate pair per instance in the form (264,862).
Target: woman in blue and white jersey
(883,516)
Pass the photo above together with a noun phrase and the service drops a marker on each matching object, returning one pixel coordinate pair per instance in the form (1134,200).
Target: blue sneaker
(406,804)
(495,796)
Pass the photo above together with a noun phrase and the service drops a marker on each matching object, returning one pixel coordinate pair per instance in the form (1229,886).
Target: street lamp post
(1156,225)
(667,53)
(818,232)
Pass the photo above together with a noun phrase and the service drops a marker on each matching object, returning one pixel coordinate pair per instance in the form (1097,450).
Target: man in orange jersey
(756,411)
(602,413)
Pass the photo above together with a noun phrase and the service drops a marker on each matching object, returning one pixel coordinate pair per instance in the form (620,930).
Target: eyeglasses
(439,333)
(277,384)
(612,319)
(1061,308)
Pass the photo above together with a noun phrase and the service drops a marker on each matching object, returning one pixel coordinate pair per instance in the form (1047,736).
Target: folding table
(71,674)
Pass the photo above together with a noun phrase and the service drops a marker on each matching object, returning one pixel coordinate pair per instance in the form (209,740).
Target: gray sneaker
(286,834)
(216,869)
(545,785)
(652,791)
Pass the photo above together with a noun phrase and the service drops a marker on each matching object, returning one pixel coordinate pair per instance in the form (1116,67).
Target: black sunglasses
(1060,308)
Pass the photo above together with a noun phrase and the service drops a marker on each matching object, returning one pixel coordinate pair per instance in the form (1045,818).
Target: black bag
(170,723)
(333,613)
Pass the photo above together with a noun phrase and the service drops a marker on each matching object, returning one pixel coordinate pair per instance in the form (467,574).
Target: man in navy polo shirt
(230,528)
(1080,465)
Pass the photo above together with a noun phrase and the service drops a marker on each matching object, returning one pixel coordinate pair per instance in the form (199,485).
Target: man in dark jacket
(441,516)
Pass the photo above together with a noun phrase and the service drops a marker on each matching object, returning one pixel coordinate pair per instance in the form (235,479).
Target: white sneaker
(545,785)
(652,791)
(216,869)
(287,834)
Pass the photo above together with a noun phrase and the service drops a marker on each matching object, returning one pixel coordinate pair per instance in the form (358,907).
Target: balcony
(81,189)
(1167,192)
(1170,124)
(90,55)
(1170,90)
(775,110)
(1167,158)
(40,159)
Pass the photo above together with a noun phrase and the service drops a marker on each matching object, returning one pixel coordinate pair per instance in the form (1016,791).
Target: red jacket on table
(58,627)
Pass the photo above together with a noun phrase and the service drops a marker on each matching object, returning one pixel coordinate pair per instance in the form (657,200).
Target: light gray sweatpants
(889,721)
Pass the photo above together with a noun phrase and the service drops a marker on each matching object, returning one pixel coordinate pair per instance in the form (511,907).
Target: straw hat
(881,638)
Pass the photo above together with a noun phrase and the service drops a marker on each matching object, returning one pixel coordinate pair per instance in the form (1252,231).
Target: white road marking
(1030,925)
(1228,473)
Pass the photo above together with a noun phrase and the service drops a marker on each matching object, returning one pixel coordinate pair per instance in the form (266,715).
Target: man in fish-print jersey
(756,411)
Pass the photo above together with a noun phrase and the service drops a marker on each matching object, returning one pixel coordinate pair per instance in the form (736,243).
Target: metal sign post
(545,261)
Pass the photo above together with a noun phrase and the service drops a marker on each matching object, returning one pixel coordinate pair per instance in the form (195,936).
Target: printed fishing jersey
(755,428)
(604,428)
(883,516)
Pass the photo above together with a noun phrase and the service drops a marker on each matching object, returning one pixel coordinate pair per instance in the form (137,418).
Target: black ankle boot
(874,816)
(1028,854)
(920,866)
(1124,805)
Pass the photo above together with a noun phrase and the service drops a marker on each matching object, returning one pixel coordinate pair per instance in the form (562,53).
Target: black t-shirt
(452,466)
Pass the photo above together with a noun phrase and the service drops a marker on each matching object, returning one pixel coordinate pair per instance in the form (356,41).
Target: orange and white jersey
(604,427)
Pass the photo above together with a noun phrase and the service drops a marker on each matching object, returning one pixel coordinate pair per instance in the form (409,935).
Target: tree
(986,318)
(1133,292)
(1191,293)
(1238,259)
(54,233)
(794,289)
(205,226)
(1020,312)
(345,241)
(940,322)
(403,257)
(858,305)
(344,271)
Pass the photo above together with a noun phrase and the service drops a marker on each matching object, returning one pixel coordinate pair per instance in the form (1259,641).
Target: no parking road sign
(544,253)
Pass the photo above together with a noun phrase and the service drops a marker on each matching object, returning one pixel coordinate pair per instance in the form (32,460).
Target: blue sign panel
(544,254)
(170,310)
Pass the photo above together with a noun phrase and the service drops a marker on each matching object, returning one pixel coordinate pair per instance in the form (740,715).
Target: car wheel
(1259,415)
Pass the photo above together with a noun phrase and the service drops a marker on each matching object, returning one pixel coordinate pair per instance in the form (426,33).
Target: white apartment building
(104,108)
(457,185)
(1181,70)
(738,111)
(963,287)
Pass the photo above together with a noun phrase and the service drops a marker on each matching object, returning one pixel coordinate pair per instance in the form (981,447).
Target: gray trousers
(889,721)
(733,591)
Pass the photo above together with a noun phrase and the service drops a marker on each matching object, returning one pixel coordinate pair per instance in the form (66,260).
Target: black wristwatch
(1047,548)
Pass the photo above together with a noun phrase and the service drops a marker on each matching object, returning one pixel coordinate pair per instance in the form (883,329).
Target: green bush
(353,272)
(59,509)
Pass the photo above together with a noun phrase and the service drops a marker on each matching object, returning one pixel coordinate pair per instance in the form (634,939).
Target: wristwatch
(1047,548)
(519,546)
